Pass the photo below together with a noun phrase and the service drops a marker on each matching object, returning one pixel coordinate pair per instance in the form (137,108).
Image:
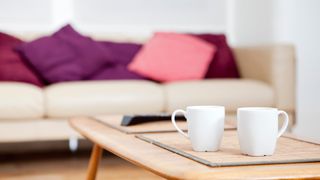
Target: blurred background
(245,22)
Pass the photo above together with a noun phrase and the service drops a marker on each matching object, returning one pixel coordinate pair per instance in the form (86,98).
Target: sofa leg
(73,143)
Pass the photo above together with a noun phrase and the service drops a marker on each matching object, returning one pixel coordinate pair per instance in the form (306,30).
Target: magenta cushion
(12,66)
(223,64)
(171,56)
(65,56)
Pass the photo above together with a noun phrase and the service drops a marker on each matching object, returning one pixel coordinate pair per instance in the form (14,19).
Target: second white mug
(205,126)
(258,129)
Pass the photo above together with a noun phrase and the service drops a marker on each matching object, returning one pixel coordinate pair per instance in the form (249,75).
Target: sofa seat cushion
(103,97)
(20,101)
(231,93)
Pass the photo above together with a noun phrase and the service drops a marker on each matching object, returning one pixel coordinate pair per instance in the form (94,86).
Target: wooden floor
(64,165)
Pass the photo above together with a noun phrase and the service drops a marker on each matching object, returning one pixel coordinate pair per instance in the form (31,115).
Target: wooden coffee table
(173,166)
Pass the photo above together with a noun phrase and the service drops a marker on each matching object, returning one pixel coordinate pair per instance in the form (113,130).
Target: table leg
(94,162)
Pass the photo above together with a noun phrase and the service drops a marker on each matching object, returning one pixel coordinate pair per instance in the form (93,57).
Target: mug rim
(257,109)
(205,107)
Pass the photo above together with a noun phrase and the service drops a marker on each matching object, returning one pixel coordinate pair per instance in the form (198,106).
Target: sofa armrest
(275,65)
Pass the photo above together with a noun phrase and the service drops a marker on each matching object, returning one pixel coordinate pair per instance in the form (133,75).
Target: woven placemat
(288,150)
(149,127)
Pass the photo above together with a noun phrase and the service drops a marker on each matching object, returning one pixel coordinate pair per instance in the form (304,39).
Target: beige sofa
(31,114)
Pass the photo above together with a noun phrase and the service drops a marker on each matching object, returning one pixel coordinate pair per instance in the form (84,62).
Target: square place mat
(149,127)
(289,150)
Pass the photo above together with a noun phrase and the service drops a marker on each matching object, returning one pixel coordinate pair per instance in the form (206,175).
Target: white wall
(114,16)
(253,22)
(147,16)
(298,22)
(288,21)
(19,15)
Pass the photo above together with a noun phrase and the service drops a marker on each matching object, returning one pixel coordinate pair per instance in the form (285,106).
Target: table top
(174,166)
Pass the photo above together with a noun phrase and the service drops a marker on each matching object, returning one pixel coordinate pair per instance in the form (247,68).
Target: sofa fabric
(123,97)
(267,79)
(34,130)
(12,66)
(65,56)
(274,65)
(171,57)
(229,93)
(103,97)
(223,64)
(20,101)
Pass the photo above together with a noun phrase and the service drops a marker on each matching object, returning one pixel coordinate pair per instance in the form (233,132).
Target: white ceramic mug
(205,126)
(258,129)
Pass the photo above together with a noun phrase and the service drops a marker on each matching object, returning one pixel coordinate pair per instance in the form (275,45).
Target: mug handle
(173,119)
(285,123)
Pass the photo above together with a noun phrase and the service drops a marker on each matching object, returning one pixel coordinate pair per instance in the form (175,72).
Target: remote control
(128,120)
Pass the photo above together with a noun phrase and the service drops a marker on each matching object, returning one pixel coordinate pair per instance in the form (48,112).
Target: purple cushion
(12,66)
(223,64)
(65,56)
(116,72)
(122,54)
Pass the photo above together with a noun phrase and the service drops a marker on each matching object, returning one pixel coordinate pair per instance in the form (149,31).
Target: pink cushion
(170,57)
